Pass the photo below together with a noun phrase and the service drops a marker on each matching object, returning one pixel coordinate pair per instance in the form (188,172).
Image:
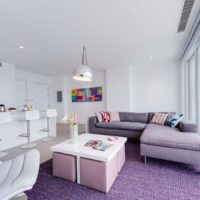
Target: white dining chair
(5,118)
(29,116)
(50,113)
(19,175)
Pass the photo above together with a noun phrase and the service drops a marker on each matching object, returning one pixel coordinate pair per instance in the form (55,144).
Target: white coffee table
(78,150)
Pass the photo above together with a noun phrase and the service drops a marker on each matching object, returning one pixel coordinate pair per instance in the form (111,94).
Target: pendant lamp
(83,72)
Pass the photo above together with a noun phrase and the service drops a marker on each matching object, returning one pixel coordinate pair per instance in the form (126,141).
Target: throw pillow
(174,121)
(114,117)
(159,118)
(169,116)
(99,117)
(105,116)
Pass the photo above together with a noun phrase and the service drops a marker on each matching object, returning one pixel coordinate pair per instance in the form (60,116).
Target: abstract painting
(87,94)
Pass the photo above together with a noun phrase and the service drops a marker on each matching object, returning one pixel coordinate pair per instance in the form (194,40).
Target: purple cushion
(64,166)
(107,171)
(133,117)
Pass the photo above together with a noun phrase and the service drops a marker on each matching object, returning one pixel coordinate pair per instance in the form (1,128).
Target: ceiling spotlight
(150,57)
(21,47)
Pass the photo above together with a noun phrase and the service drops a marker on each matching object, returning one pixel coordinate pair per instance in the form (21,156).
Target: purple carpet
(158,180)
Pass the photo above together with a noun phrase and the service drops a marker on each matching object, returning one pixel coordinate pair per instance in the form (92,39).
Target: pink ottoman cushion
(64,166)
(121,158)
(101,175)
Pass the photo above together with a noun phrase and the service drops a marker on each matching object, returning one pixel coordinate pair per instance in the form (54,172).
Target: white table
(79,150)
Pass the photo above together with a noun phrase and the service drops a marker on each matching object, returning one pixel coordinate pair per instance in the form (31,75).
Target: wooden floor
(44,147)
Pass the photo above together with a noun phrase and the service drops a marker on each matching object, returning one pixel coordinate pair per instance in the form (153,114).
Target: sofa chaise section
(171,144)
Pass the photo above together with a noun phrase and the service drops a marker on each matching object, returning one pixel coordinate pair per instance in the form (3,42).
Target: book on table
(98,145)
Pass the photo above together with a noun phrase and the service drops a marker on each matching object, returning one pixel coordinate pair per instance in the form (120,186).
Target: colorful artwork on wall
(87,94)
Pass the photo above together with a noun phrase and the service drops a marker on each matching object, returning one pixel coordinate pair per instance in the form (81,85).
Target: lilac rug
(158,180)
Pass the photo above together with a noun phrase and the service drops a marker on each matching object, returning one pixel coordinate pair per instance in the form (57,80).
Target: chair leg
(48,138)
(28,145)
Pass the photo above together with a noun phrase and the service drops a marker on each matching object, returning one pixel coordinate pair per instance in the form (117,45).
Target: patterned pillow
(105,116)
(99,117)
(169,116)
(174,121)
(114,117)
(159,118)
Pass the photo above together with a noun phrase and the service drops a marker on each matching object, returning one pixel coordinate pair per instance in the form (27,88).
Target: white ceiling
(115,32)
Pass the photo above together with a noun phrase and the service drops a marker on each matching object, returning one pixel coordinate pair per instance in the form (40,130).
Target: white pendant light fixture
(83,72)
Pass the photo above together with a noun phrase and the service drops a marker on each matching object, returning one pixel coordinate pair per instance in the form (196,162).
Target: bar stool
(50,113)
(5,117)
(30,116)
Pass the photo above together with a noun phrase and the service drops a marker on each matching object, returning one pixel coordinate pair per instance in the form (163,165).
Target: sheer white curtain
(191,75)
(192,89)
(191,86)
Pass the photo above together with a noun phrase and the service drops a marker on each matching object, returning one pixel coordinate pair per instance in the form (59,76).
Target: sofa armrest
(188,126)
(92,124)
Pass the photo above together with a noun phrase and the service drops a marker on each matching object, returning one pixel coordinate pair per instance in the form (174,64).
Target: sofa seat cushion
(133,126)
(170,137)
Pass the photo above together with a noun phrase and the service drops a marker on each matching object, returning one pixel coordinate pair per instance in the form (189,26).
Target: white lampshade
(83,72)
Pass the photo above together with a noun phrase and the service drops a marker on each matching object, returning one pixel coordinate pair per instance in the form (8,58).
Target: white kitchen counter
(10,132)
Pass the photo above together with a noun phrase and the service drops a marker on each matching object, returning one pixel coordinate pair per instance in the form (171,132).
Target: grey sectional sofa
(181,144)
(131,125)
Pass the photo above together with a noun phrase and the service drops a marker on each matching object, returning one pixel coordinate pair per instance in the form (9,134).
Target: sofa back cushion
(133,117)
(150,116)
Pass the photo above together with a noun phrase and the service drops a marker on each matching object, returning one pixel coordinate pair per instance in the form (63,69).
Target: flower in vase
(72,119)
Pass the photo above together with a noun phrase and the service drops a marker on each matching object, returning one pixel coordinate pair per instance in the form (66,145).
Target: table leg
(78,169)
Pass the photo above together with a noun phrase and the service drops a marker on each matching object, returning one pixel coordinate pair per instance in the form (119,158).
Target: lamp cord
(84,56)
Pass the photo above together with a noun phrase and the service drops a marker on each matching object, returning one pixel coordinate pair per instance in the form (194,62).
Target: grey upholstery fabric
(173,154)
(170,137)
(150,116)
(133,117)
(188,126)
(134,126)
(130,131)
(117,132)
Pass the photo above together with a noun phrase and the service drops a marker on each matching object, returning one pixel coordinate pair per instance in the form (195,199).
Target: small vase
(73,133)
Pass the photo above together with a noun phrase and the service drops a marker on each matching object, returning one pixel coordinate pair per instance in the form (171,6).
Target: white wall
(84,109)
(151,88)
(59,84)
(87,109)
(155,88)
(7,85)
(118,83)
(32,80)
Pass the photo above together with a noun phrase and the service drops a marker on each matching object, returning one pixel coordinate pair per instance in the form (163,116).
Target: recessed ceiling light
(150,57)
(21,47)
(53,72)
